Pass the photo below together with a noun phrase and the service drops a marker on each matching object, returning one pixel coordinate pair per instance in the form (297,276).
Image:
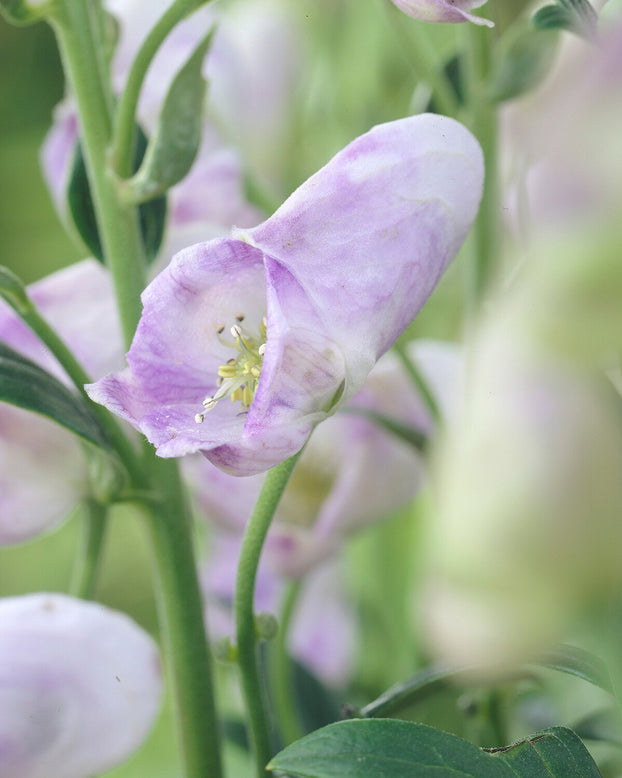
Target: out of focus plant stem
(180,606)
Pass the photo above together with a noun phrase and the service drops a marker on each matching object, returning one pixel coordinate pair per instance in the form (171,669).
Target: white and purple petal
(340,270)
(443,10)
(80,686)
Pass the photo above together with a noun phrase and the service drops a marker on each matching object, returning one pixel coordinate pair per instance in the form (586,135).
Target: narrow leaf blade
(25,384)
(175,142)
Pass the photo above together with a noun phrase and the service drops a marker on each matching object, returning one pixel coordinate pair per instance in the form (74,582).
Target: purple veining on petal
(443,10)
(340,270)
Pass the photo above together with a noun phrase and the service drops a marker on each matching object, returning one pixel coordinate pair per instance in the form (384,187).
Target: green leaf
(525,57)
(553,753)
(576,16)
(13,291)
(152,214)
(419,687)
(414,437)
(25,384)
(175,142)
(20,12)
(580,663)
(388,748)
(603,725)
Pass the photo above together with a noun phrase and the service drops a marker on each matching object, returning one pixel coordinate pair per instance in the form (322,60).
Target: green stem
(483,122)
(182,625)
(419,382)
(79,377)
(125,122)
(252,545)
(85,572)
(179,598)
(282,686)
(424,61)
(118,226)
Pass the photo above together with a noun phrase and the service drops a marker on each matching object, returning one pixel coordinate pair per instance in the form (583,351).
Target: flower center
(239,377)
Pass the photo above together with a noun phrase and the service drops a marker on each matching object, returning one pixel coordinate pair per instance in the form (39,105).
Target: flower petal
(72,670)
(443,10)
(340,269)
(369,235)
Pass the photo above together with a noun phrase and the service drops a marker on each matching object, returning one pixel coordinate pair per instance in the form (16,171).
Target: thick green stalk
(125,120)
(180,609)
(252,545)
(118,224)
(179,599)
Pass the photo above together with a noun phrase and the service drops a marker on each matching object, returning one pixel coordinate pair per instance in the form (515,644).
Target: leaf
(175,142)
(553,753)
(388,748)
(152,214)
(576,16)
(525,57)
(414,437)
(25,384)
(580,663)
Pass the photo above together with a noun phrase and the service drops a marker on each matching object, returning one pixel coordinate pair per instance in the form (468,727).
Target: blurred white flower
(80,686)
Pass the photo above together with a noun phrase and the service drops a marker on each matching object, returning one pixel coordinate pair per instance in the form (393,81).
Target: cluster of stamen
(239,377)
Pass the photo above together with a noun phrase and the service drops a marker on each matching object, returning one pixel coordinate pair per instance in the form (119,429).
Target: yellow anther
(247,395)
(239,377)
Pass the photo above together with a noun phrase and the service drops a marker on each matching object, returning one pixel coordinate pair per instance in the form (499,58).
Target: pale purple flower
(80,686)
(352,472)
(442,10)
(290,317)
(43,471)
(323,629)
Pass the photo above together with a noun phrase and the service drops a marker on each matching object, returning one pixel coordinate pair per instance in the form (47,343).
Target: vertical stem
(168,523)
(180,609)
(84,578)
(483,122)
(252,545)
(123,136)
(118,224)
(282,685)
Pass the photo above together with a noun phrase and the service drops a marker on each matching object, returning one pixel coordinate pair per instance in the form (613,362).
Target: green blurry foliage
(32,240)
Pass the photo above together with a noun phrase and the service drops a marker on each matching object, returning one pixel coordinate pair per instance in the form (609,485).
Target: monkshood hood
(288,318)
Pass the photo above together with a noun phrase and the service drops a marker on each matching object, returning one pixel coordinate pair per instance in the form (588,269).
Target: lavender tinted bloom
(43,471)
(80,686)
(352,472)
(287,319)
(442,10)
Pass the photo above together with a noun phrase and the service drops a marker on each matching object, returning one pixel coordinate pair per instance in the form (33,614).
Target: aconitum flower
(442,10)
(43,470)
(246,343)
(80,686)
(352,473)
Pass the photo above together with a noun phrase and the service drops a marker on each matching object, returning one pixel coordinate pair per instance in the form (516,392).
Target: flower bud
(526,531)
(442,10)
(80,686)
